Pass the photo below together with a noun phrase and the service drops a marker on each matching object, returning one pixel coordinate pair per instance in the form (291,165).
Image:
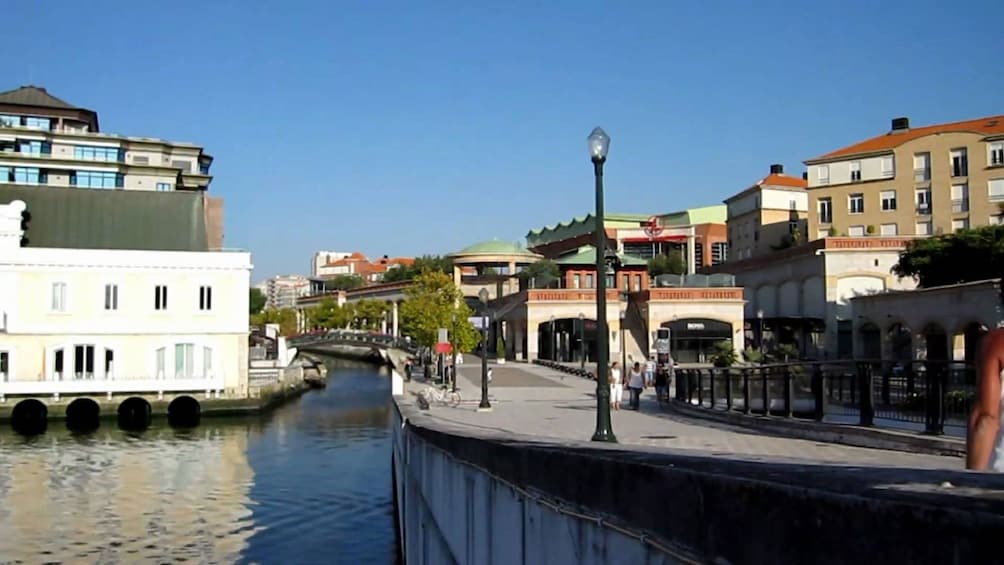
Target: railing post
(746,391)
(886,376)
(689,390)
(700,388)
(788,393)
(866,393)
(728,390)
(935,416)
(711,385)
(765,392)
(817,392)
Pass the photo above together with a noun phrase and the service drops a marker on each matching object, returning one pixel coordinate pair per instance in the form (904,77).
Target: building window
(823,174)
(637,283)
(719,252)
(109,363)
(34,148)
(4,366)
(88,153)
(207,361)
(960,163)
(83,362)
(58,297)
(889,229)
(962,224)
(160,297)
(589,281)
(111,297)
(184,360)
(960,198)
(163,187)
(205,298)
(924,201)
(856,231)
(856,203)
(183,165)
(855,171)
(95,179)
(203,167)
(626,280)
(141,160)
(921,167)
(161,356)
(577,281)
(997,220)
(888,200)
(996,154)
(10,121)
(23,175)
(699,254)
(923,228)
(825,210)
(37,123)
(888,167)
(995,188)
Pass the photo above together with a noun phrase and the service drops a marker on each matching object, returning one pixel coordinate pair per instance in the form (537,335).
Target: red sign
(652,227)
(444,347)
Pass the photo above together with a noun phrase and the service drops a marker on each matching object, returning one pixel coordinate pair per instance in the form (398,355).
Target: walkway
(534,400)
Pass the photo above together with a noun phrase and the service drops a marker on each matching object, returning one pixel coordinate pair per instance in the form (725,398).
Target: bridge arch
(83,415)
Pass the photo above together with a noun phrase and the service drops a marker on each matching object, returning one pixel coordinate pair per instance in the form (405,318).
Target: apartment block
(910,181)
(282,291)
(770,215)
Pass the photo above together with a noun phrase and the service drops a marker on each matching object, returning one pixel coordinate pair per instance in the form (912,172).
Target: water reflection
(310,481)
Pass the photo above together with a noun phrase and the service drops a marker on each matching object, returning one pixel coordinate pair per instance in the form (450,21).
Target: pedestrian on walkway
(662,384)
(650,370)
(616,386)
(984,442)
(636,382)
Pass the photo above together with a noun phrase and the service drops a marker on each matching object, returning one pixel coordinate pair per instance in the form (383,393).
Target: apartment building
(322,258)
(910,181)
(359,265)
(283,290)
(770,215)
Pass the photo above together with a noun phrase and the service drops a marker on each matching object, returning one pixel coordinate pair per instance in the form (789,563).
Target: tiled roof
(782,180)
(34,96)
(992,125)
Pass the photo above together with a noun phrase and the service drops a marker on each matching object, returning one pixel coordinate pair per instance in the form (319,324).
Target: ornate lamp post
(599,143)
(623,345)
(554,342)
(582,341)
(484,405)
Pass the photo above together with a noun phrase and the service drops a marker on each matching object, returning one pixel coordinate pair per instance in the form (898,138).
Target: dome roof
(496,247)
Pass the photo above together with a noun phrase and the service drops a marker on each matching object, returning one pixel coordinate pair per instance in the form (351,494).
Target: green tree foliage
(285,317)
(344,282)
(257,302)
(724,355)
(430,305)
(541,274)
(964,256)
(368,314)
(330,316)
(671,264)
(434,263)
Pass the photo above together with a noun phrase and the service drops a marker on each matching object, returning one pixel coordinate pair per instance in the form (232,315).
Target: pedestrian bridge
(382,349)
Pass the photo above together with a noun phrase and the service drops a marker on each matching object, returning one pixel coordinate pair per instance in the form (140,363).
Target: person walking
(616,386)
(984,442)
(650,370)
(662,384)
(636,382)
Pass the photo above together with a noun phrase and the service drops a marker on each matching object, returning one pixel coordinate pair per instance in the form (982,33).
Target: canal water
(308,483)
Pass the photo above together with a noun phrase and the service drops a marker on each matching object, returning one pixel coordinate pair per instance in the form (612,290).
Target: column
(532,340)
(456,275)
(691,255)
(394,318)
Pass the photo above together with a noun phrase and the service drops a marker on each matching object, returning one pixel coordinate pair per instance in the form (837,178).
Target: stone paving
(534,400)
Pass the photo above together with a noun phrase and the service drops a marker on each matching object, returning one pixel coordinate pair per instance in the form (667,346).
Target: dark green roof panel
(82,218)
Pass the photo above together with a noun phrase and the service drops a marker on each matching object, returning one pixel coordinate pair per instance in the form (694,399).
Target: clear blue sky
(405,128)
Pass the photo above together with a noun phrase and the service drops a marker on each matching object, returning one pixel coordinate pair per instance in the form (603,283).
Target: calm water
(308,483)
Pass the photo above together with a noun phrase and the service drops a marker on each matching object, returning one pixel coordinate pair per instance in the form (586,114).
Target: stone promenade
(534,400)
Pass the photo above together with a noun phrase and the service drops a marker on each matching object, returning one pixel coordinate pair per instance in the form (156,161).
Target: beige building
(282,291)
(910,181)
(768,216)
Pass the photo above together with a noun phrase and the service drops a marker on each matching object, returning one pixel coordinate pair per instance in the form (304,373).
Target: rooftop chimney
(776,169)
(900,124)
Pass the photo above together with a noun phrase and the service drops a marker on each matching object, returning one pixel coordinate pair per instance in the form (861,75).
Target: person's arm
(984,422)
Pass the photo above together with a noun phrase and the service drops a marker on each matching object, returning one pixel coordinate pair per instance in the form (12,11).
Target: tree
(671,264)
(541,274)
(434,263)
(724,355)
(434,302)
(964,256)
(257,301)
(285,317)
(344,282)
(329,315)
(368,314)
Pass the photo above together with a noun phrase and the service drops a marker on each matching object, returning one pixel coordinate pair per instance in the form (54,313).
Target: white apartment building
(113,321)
(322,258)
(283,290)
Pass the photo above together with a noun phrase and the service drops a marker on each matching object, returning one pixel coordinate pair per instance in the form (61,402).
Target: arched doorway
(567,339)
(900,343)
(692,340)
(871,342)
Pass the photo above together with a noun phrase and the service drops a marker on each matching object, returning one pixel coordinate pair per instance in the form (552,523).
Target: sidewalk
(534,400)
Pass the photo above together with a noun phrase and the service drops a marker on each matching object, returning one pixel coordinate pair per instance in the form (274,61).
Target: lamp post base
(605,436)
(485,408)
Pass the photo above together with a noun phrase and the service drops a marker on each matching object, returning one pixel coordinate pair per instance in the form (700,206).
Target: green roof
(495,247)
(586,255)
(714,214)
(581,225)
(83,218)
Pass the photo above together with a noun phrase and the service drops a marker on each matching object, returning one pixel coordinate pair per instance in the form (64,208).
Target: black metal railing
(869,393)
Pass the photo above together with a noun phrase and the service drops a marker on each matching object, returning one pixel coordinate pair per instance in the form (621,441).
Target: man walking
(984,444)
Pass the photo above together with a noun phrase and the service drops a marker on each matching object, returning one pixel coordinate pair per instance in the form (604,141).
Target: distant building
(768,216)
(910,181)
(322,258)
(359,265)
(45,141)
(282,291)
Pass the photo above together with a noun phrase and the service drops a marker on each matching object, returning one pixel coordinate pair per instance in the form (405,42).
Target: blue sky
(405,128)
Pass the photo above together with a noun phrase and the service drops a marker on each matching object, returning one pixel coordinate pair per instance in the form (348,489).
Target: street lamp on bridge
(599,143)
(484,405)
(582,341)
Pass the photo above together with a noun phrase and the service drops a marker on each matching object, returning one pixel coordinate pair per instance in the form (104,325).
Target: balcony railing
(960,205)
(110,386)
(922,175)
(923,209)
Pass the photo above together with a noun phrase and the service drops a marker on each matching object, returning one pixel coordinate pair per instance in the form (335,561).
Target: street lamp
(599,143)
(551,345)
(623,346)
(454,349)
(484,405)
(582,341)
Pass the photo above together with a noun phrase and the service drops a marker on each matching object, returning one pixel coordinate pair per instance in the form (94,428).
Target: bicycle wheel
(454,399)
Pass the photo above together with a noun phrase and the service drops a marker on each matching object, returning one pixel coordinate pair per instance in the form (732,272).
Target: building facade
(113,321)
(322,258)
(283,290)
(357,264)
(768,216)
(910,181)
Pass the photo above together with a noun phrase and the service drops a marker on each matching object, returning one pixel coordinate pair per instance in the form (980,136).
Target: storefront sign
(695,326)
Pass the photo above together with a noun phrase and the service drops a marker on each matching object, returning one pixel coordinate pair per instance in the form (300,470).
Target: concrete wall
(485,497)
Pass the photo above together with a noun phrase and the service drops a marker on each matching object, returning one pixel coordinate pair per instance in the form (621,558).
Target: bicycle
(441,396)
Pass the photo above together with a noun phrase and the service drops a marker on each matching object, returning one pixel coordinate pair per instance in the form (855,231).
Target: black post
(867,394)
(817,392)
(484,405)
(604,429)
(728,390)
(935,413)
(711,386)
(747,397)
(788,393)
(766,391)
(582,344)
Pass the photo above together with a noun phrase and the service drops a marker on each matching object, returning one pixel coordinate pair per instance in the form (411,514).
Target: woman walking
(636,382)
(616,386)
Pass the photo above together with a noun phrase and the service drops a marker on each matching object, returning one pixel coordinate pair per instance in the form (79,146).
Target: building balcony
(568,295)
(960,206)
(110,386)
(923,209)
(711,294)
(922,175)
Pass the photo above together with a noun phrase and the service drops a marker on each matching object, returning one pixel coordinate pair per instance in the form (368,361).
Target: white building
(322,258)
(112,321)
(283,290)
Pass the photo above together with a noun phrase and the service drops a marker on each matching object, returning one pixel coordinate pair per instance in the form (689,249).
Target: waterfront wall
(476,496)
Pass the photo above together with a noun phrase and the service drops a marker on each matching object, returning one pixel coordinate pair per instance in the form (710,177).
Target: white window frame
(888,204)
(111,297)
(960,204)
(923,204)
(964,224)
(928,225)
(852,229)
(995,149)
(850,203)
(819,209)
(11,373)
(58,305)
(963,153)
(823,174)
(855,168)
(888,166)
(885,232)
(998,195)
(163,360)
